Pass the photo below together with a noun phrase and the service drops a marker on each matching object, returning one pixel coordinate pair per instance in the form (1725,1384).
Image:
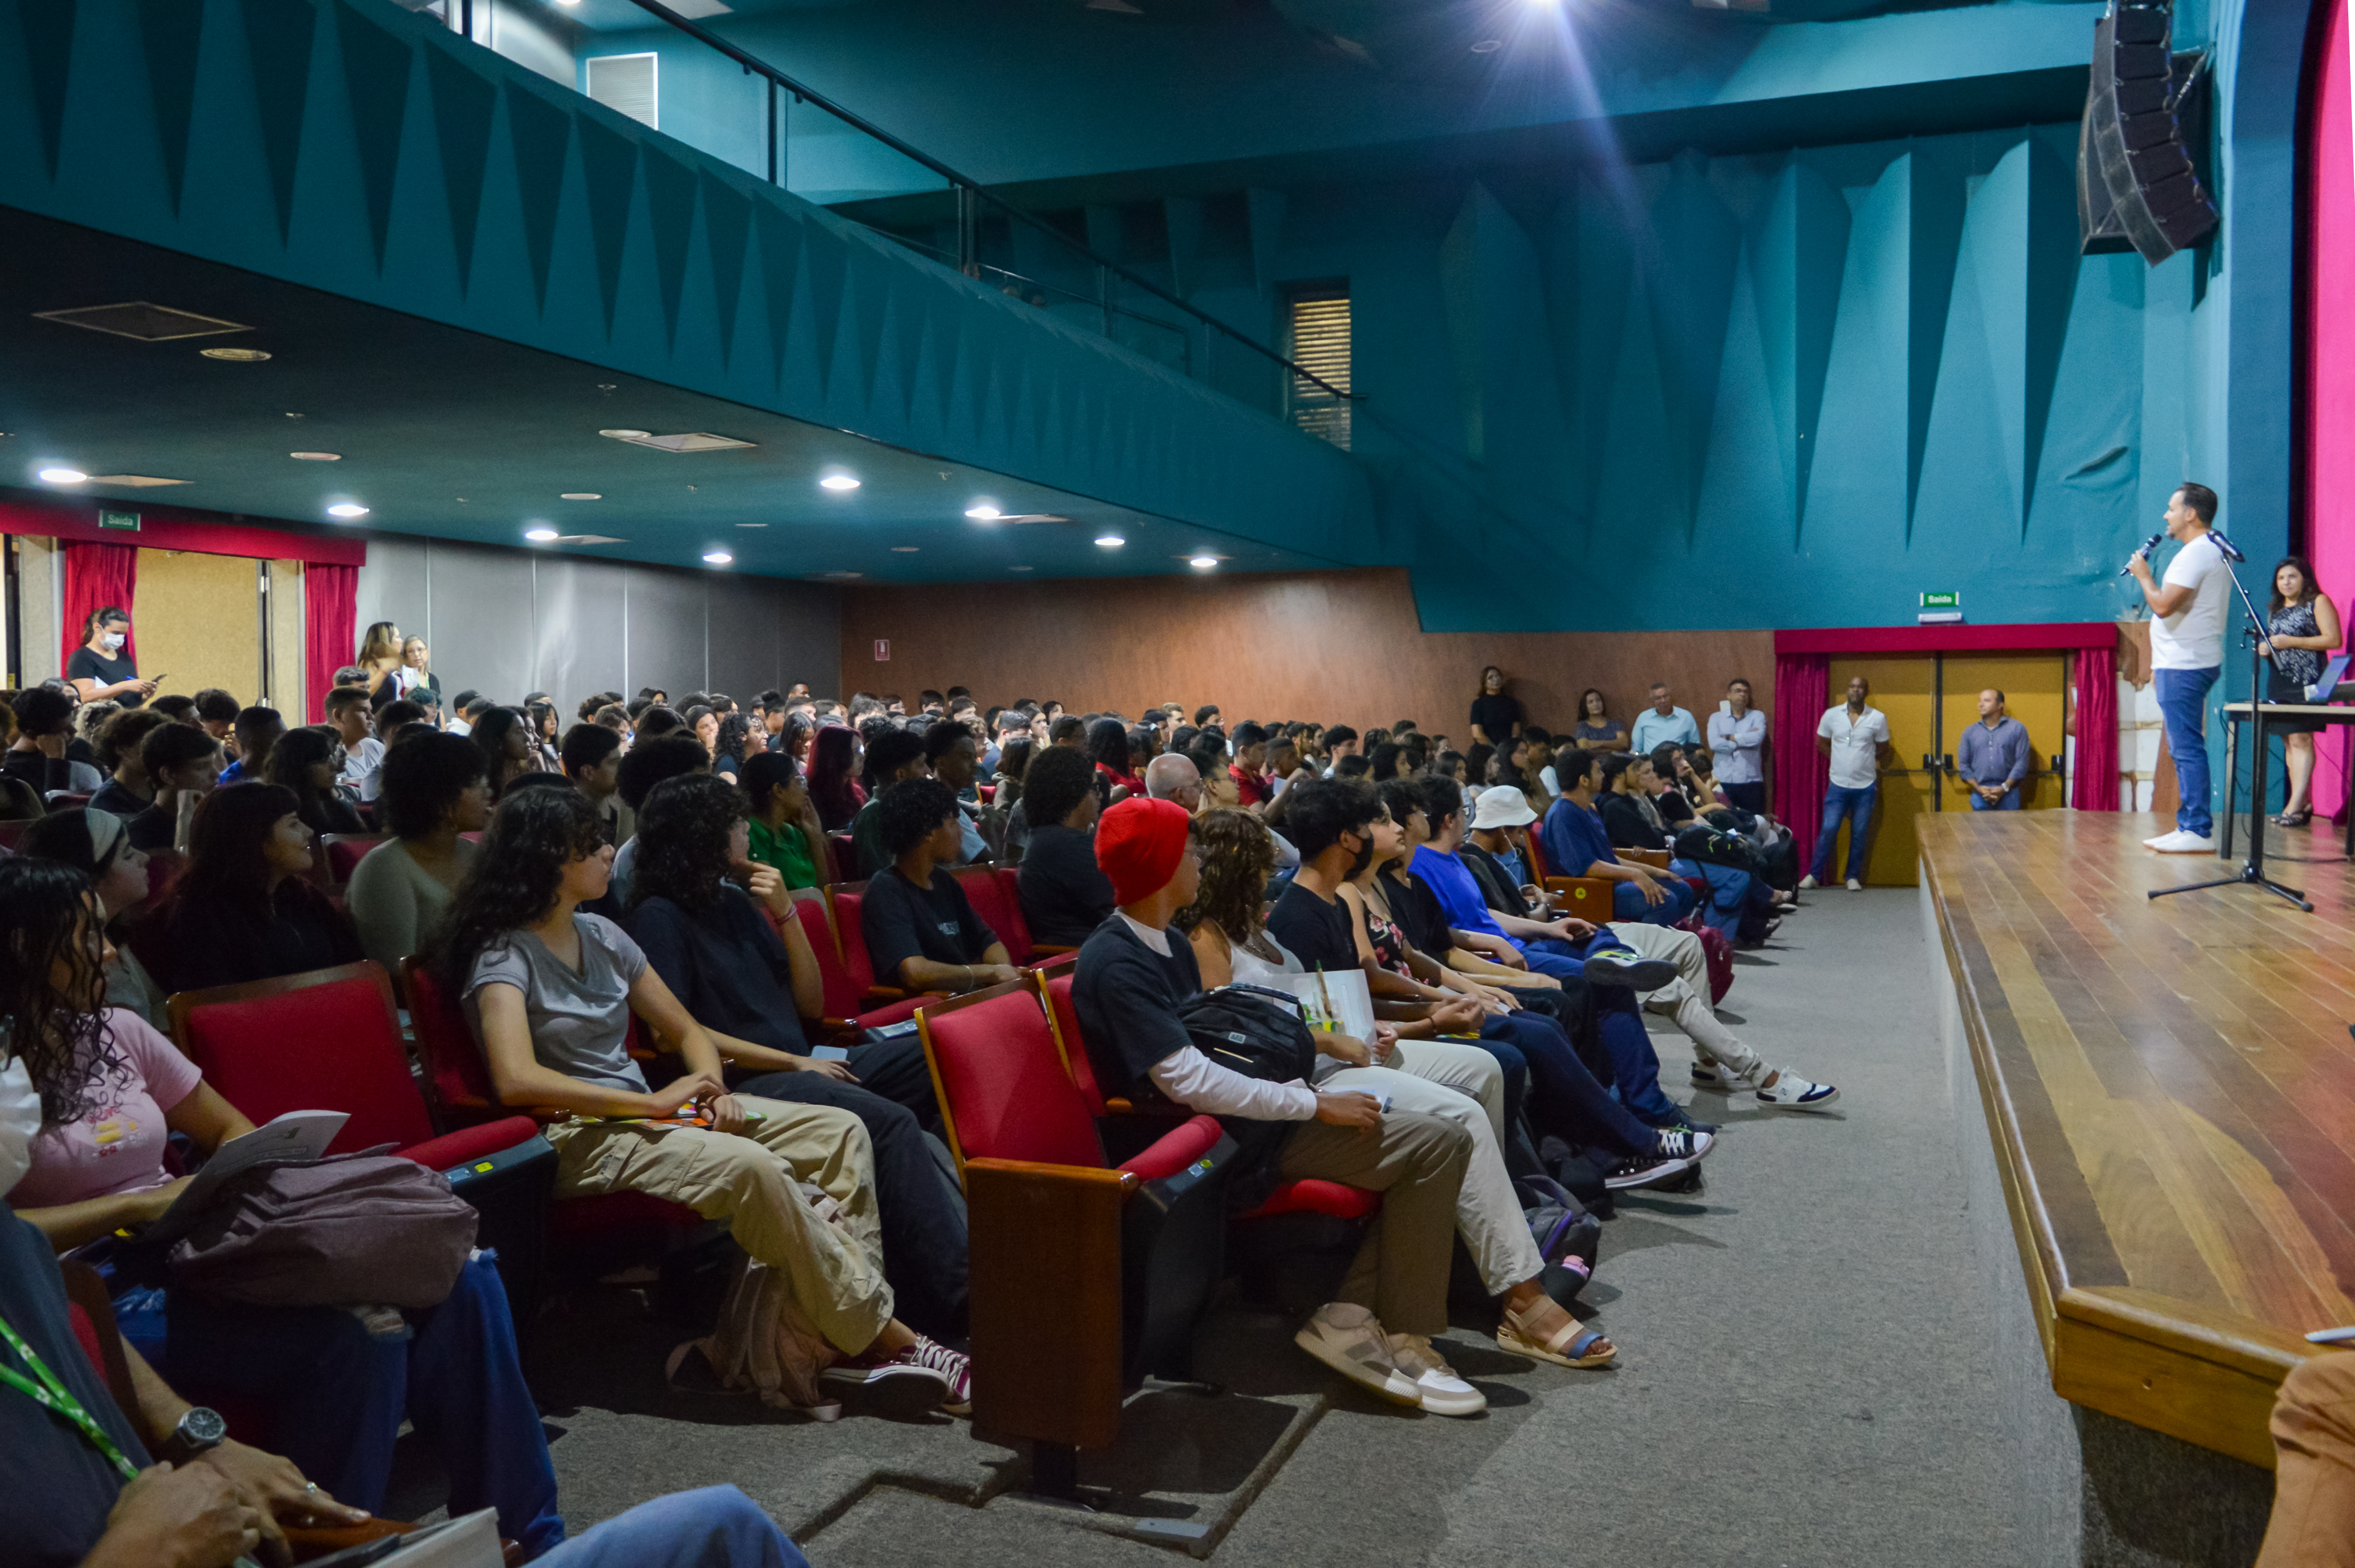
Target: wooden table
(2171,1086)
(2238,714)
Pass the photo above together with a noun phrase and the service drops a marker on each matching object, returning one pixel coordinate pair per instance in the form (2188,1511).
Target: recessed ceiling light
(626,435)
(317,457)
(752,524)
(237,355)
(838,482)
(716,557)
(1110,541)
(1203,563)
(63,475)
(542,535)
(1488,45)
(1018,568)
(581,495)
(841,577)
(346,509)
(903,549)
(985,513)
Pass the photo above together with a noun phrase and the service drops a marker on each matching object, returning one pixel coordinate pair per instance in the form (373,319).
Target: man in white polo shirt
(2187,652)
(1855,735)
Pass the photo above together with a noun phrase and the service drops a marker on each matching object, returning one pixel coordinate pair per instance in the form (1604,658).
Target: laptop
(2325,690)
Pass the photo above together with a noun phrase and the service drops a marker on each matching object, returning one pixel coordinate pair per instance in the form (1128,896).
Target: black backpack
(1709,847)
(1259,1033)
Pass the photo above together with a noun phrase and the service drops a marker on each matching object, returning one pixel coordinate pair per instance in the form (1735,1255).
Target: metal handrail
(810,95)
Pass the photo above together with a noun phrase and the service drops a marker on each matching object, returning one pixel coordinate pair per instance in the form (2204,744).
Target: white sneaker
(1854,885)
(2161,839)
(1443,1393)
(1810,881)
(1791,1092)
(1348,1340)
(2184,841)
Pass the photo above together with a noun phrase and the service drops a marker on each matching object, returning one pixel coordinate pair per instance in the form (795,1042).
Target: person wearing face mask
(243,910)
(102,669)
(435,789)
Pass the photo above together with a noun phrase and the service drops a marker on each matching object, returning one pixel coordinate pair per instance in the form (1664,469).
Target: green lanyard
(50,1395)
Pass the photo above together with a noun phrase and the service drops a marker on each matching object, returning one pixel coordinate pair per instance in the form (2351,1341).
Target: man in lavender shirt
(1992,758)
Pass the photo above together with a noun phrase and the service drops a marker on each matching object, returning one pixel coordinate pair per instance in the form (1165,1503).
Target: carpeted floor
(1801,1379)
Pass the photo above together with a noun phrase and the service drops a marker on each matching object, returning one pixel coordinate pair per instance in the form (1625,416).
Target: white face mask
(20,1123)
(114,640)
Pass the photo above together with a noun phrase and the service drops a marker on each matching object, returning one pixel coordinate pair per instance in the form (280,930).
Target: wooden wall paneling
(199,622)
(1341,646)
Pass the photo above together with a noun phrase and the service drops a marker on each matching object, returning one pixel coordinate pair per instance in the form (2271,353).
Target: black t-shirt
(727,966)
(1674,808)
(55,1487)
(86,665)
(197,942)
(1625,822)
(1065,895)
(1497,888)
(1497,717)
(1317,933)
(1126,996)
(116,801)
(1415,911)
(153,829)
(38,768)
(901,921)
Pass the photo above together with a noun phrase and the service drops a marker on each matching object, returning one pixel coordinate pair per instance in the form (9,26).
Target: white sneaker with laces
(1791,1092)
(2184,841)
(1854,885)
(1350,1340)
(1810,881)
(1442,1392)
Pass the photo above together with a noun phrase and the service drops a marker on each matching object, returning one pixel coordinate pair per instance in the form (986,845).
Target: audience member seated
(127,791)
(920,931)
(644,766)
(182,763)
(45,730)
(550,992)
(436,789)
(1107,747)
(659,720)
(505,736)
(177,706)
(1064,895)
(306,763)
(243,909)
(784,831)
(113,1091)
(217,710)
(748,978)
(257,730)
(954,757)
(1578,842)
(98,845)
(893,755)
(591,756)
(540,720)
(834,777)
(355,724)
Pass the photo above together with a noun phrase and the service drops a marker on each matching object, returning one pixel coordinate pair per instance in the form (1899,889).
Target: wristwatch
(200,1429)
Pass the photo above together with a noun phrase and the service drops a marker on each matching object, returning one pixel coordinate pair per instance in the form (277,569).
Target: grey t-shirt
(579,1022)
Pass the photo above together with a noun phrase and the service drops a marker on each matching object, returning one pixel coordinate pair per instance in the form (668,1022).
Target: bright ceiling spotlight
(1110,541)
(716,557)
(838,482)
(63,475)
(542,535)
(348,509)
(984,512)
(1203,563)
(581,495)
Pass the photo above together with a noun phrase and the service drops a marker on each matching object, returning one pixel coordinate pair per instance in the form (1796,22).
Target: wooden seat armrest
(1049,950)
(1075,1175)
(1657,859)
(884,993)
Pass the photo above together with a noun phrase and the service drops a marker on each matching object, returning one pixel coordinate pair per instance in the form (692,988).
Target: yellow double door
(1930,699)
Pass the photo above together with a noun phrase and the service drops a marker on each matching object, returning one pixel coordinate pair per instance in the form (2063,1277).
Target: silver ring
(311,1486)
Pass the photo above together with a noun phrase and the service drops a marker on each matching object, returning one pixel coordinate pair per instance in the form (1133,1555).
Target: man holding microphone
(2187,652)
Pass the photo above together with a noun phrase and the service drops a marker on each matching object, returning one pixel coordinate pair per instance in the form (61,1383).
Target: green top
(787,849)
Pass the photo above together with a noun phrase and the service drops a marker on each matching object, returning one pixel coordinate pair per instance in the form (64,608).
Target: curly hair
(730,739)
(533,836)
(122,734)
(227,846)
(683,833)
(422,779)
(69,1050)
(1237,857)
(910,811)
(1055,783)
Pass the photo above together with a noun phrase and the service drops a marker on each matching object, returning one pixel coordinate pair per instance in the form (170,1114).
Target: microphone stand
(2252,869)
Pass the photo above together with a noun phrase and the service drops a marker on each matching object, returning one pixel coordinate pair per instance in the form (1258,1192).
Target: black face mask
(1365,857)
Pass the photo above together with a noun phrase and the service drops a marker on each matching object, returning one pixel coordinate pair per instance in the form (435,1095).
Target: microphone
(2232,551)
(2143,554)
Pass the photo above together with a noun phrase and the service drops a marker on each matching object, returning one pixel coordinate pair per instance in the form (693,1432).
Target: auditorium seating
(341,854)
(849,1007)
(1587,898)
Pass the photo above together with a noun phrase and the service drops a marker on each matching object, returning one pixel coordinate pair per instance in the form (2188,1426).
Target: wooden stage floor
(2171,1084)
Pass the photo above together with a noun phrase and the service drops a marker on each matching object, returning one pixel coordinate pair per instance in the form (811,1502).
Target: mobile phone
(2332,1337)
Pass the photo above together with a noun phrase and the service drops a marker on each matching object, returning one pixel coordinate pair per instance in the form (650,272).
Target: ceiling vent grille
(133,481)
(628,85)
(148,323)
(698,441)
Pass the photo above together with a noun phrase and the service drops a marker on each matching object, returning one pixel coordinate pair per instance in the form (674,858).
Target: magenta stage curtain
(331,611)
(1802,687)
(97,576)
(2094,786)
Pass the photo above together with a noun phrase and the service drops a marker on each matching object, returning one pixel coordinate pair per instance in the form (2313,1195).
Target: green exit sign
(1951,599)
(126,522)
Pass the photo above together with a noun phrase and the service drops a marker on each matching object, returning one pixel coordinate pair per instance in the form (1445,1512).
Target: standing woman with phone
(100,669)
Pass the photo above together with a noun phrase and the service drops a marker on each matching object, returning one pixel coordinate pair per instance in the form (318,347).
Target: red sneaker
(953,1369)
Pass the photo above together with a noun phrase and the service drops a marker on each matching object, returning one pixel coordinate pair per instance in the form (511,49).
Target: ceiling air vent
(147,323)
(700,442)
(587,539)
(625,84)
(133,481)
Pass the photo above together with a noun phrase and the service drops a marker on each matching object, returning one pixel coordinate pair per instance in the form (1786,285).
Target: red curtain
(331,612)
(2094,786)
(1801,692)
(97,576)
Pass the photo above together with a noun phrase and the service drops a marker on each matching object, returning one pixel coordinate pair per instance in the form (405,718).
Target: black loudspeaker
(2141,150)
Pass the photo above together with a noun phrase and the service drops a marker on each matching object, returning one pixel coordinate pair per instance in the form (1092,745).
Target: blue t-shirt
(1451,883)
(1574,838)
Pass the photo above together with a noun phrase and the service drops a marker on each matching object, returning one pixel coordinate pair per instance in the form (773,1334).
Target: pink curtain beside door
(2330,368)
(1801,692)
(330,610)
(97,576)
(2094,786)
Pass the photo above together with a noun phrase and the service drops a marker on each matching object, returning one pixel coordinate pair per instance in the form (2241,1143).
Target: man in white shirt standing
(1737,733)
(2187,653)
(1855,735)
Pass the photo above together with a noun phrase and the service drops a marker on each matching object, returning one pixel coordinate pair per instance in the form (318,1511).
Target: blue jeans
(2183,704)
(718,1527)
(2009,801)
(336,1393)
(1627,903)
(1570,1103)
(1635,1064)
(1856,805)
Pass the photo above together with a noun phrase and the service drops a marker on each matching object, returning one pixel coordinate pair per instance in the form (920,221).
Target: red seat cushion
(841,999)
(1067,1020)
(472,1143)
(1177,1150)
(1311,1196)
(344,854)
(1005,1089)
(993,896)
(335,1046)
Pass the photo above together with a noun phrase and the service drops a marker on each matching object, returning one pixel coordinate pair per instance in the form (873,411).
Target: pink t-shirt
(118,1147)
